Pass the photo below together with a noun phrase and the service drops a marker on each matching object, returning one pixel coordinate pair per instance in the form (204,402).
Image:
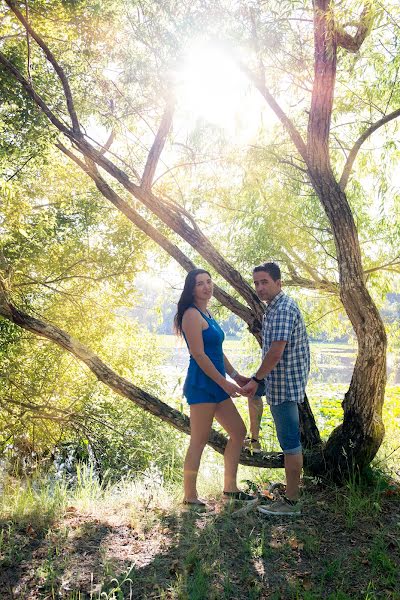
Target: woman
(206,389)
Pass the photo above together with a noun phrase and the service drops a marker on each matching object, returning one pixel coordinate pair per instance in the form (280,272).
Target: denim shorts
(286,418)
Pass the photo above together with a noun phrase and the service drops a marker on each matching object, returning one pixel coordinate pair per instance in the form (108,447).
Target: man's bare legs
(293,467)
(255,412)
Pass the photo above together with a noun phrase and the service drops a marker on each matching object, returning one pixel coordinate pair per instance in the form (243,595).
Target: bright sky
(212,87)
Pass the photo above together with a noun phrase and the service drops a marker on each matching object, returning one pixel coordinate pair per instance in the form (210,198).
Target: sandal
(239,496)
(198,503)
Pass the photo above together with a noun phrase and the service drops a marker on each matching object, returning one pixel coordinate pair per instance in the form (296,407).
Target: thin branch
(62,278)
(13,35)
(35,97)
(364,136)
(28,42)
(388,14)
(52,60)
(393,88)
(187,164)
(286,122)
(108,143)
(299,281)
(307,267)
(323,316)
(20,168)
(106,148)
(392,263)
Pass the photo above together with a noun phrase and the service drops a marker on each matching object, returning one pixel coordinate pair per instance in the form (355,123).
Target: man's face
(266,287)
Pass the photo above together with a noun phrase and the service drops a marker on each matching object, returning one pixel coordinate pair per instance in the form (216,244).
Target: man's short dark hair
(271,268)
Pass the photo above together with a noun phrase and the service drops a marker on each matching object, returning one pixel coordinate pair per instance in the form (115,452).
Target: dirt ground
(327,552)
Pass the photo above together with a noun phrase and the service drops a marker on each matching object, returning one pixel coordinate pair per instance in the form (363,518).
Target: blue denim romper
(198,387)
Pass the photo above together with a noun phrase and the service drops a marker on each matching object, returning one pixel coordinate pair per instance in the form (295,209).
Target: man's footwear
(283,507)
(277,489)
(252,445)
(239,496)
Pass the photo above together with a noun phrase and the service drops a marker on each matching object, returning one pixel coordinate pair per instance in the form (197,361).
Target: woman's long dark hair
(186,298)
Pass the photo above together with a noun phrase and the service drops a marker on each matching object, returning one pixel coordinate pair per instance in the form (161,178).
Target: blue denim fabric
(286,418)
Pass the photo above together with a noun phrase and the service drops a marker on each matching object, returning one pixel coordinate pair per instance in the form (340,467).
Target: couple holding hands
(284,370)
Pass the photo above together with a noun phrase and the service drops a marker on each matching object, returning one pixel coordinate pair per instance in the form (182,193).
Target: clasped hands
(244,386)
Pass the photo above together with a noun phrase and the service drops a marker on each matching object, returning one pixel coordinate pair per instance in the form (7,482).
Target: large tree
(68,102)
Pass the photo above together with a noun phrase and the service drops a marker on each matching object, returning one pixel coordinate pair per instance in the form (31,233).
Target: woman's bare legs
(227,415)
(201,418)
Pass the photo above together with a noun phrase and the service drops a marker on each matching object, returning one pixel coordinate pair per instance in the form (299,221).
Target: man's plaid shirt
(283,322)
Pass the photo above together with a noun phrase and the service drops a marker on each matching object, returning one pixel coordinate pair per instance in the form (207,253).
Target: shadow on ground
(213,555)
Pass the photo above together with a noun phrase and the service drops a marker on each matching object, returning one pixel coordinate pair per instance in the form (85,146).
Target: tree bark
(354,443)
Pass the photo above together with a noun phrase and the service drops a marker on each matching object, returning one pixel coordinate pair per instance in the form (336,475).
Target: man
(284,369)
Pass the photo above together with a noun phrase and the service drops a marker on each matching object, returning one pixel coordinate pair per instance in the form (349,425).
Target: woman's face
(203,288)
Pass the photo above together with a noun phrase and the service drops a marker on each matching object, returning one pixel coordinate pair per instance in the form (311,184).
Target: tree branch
(20,168)
(158,145)
(52,60)
(28,43)
(286,122)
(319,121)
(316,283)
(108,143)
(395,261)
(35,97)
(364,136)
(226,299)
(352,43)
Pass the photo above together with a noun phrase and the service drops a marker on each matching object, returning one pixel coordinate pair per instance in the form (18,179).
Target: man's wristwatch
(254,378)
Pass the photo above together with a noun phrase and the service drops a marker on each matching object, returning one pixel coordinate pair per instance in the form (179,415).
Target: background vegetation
(89,482)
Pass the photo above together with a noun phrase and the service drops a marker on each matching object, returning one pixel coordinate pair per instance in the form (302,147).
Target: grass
(133,540)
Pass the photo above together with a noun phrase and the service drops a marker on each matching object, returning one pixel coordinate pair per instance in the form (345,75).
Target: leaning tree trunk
(122,386)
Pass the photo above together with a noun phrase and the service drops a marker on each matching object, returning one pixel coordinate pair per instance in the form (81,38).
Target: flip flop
(198,503)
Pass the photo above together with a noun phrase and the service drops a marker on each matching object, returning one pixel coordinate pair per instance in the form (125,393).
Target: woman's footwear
(198,503)
(239,496)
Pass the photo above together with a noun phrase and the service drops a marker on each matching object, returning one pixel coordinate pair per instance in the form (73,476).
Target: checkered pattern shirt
(283,322)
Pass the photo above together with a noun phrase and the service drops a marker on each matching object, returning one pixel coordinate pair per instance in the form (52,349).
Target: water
(330,364)
(331,371)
